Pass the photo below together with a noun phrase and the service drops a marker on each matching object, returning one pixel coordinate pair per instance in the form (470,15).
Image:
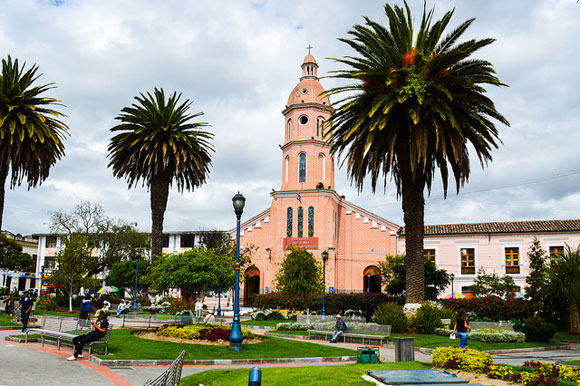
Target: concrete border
(216,362)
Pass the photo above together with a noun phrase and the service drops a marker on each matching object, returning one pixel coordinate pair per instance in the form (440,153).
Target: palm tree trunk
(574,322)
(413,211)
(3,175)
(159,195)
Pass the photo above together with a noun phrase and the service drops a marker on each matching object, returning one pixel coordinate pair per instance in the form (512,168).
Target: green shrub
(144,301)
(259,316)
(494,308)
(536,329)
(275,315)
(180,305)
(62,301)
(465,359)
(427,318)
(392,314)
(98,302)
(46,303)
(488,336)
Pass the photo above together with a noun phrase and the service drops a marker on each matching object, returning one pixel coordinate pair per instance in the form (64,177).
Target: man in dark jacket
(339,328)
(101,326)
(25,305)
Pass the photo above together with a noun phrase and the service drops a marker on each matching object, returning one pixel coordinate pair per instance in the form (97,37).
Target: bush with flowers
(488,336)
(200,332)
(47,303)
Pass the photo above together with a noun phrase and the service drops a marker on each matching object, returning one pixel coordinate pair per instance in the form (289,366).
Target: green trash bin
(367,355)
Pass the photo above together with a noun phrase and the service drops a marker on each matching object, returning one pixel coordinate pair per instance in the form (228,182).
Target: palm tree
(413,105)
(565,270)
(158,143)
(31,135)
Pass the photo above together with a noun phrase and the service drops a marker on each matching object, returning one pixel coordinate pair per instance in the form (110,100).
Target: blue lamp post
(452,277)
(138,255)
(236,336)
(324,260)
(219,310)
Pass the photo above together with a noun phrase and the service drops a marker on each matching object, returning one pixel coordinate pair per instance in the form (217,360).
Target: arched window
(286,167)
(302,167)
(289,222)
(371,280)
(321,166)
(300,229)
(289,128)
(311,221)
(320,126)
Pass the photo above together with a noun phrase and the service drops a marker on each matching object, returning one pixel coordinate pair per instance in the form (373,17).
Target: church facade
(308,212)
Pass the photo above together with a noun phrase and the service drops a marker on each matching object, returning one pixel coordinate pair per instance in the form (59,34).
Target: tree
(12,257)
(414,105)
(537,279)
(300,275)
(159,143)
(31,135)
(565,270)
(122,275)
(393,277)
(73,262)
(486,284)
(195,272)
(117,240)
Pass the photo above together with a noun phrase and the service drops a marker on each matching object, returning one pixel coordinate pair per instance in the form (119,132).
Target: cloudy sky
(238,62)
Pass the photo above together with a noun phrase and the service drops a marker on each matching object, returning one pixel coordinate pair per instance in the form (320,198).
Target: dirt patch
(152,336)
(481,378)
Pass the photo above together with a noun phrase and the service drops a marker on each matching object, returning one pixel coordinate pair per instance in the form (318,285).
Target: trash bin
(404,349)
(367,355)
(186,318)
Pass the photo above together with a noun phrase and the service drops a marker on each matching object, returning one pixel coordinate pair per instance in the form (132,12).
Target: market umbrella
(520,295)
(107,290)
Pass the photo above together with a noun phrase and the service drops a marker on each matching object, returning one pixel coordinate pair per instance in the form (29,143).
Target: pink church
(307,211)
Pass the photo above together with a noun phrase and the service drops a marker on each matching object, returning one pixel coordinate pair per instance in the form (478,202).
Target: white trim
(475,259)
(504,265)
(436,254)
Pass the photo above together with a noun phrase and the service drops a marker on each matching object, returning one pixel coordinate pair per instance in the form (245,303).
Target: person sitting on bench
(100,326)
(339,329)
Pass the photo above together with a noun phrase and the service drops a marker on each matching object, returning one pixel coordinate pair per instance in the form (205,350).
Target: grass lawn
(6,320)
(566,336)
(55,313)
(308,375)
(271,323)
(123,345)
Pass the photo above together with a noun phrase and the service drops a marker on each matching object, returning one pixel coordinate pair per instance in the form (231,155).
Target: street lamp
(219,310)
(324,260)
(452,277)
(236,336)
(368,283)
(138,255)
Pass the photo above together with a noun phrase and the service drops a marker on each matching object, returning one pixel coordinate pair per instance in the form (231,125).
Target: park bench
(381,336)
(171,376)
(63,328)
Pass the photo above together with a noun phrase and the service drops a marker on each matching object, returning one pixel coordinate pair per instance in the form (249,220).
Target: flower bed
(489,336)
(472,360)
(206,332)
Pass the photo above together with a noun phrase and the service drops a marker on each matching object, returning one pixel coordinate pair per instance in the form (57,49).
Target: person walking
(100,326)
(339,328)
(461,327)
(86,308)
(25,305)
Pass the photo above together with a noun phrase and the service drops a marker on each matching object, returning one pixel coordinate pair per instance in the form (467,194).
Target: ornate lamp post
(452,277)
(368,283)
(219,310)
(324,260)
(236,336)
(138,255)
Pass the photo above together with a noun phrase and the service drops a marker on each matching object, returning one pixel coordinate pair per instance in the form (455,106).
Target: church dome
(308,91)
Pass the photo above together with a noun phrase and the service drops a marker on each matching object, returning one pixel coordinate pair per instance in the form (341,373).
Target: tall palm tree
(31,135)
(159,143)
(565,270)
(414,104)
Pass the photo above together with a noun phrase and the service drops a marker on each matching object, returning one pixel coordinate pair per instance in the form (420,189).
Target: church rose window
(303,120)
(302,167)
(289,222)
(300,230)
(311,222)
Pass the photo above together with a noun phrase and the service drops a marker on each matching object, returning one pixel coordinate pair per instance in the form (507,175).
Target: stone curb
(511,351)
(276,335)
(214,362)
(10,328)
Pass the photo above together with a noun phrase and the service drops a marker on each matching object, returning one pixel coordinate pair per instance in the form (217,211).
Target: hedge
(494,307)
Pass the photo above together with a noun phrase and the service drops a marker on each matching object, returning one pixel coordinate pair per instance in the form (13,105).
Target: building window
(300,222)
(50,242)
(165,239)
(49,262)
(187,241)
(289,220)
(467,261)
(556,250)
(289,128)
(303,120)
(466,291)
(512,260)
(311,222)
(322,166)
(335,225)
(302,167)
(429,254)
(320,126)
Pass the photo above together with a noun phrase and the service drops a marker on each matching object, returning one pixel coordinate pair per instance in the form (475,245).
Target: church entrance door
(252,285)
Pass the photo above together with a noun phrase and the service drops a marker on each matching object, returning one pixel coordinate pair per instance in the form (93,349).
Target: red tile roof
(536,226)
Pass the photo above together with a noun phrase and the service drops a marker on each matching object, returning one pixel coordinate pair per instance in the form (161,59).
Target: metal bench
(381,336)
(171,376)
(63,328)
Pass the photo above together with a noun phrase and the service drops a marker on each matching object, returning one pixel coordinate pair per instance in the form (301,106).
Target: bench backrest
(52,323)
(171,376)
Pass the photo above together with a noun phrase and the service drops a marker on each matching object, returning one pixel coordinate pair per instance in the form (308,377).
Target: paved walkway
(32,365)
